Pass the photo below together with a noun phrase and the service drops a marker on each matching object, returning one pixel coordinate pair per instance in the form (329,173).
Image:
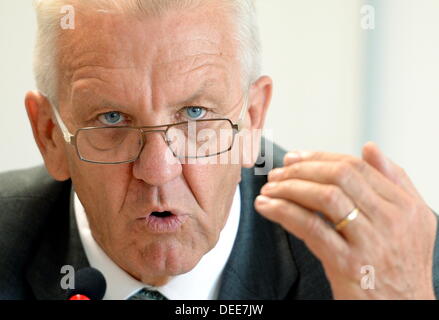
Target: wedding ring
(345,221)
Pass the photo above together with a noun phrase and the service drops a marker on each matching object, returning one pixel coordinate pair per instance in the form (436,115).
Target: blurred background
(345,72)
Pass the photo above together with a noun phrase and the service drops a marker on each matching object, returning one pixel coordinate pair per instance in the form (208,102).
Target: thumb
(376,158)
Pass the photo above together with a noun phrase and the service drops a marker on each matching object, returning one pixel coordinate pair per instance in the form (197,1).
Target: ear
(259,102)
(47,136)
(260,98)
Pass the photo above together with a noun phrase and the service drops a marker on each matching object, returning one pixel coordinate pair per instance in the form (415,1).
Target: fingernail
(291,157)
(269,186)
(261,200)
(275,174)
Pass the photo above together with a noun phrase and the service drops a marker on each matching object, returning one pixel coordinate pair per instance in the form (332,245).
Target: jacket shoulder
(27,197)
(27,183)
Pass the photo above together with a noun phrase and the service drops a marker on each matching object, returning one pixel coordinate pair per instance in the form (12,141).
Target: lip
(168,224)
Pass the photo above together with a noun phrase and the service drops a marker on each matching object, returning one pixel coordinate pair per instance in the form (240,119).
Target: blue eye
(195,113)
(111,118)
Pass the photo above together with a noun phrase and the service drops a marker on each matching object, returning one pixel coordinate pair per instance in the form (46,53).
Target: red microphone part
(79,297)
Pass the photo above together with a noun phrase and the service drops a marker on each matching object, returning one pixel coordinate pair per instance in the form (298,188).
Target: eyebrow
(202,92)
(197,97)
(92,105)
(90,102)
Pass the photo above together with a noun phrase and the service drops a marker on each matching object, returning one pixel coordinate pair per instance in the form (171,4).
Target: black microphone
(90,284)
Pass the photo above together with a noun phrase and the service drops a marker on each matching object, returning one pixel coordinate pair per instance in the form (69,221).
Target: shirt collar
(201,283)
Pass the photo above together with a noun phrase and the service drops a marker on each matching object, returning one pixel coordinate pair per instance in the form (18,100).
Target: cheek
(101,188)
(213,187)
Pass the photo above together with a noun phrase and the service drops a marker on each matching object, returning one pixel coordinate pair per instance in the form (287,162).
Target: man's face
(125,70)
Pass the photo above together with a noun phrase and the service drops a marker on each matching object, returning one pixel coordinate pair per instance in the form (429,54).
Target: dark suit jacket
(38,235)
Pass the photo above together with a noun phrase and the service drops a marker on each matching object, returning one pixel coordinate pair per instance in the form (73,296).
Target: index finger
(343,164)
(297,156)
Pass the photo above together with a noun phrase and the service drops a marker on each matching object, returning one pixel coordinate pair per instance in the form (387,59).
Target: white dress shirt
(201,283)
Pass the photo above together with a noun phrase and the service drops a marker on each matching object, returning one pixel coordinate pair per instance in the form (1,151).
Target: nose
(156,164)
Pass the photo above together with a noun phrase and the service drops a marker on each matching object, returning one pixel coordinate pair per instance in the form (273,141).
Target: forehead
(169,45)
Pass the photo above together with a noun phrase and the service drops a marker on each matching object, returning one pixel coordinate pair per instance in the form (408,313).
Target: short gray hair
(48,22)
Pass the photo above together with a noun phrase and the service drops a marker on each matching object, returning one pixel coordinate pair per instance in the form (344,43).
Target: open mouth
(162,214)
(163,221)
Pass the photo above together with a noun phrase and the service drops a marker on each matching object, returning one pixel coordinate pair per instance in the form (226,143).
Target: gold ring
(350,217)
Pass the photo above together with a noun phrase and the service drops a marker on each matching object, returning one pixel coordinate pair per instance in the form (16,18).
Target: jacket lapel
(261,265)
(59,246)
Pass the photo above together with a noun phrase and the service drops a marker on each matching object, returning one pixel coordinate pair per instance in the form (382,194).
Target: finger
(376,158)
(342,171)
(327,199)
(297,156)
(322,240)
(373,156)
(341,174)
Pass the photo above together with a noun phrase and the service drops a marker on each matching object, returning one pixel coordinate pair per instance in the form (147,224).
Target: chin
(161,261)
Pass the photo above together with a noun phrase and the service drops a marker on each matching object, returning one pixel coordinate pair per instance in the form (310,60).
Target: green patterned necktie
(146,294)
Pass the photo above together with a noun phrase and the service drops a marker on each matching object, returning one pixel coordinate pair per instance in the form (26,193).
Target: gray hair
(49,16)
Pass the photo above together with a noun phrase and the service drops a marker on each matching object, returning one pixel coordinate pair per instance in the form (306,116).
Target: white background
(336,85)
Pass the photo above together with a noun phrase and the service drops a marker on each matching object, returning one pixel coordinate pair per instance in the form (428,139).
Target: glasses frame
(72,138)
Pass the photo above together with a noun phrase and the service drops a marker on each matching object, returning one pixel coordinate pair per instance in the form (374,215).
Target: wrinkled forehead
(170,42)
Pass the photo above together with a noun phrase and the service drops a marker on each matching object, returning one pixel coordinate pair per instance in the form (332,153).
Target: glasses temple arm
(243,113)
(66,133)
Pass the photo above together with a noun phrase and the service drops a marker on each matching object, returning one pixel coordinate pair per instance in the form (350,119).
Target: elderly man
(122,88)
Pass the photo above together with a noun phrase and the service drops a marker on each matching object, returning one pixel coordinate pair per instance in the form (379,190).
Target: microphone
(90,284)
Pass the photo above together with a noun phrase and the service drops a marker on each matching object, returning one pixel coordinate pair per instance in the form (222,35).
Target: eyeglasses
(123,144)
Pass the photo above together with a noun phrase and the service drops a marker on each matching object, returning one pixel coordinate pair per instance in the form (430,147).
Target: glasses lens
(199,139)
(109,145)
